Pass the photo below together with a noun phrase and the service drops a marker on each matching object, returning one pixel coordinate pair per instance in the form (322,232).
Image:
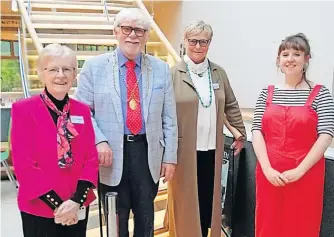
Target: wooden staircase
(159,206)
(86,26)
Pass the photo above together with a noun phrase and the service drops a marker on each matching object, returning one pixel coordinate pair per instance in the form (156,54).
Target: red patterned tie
(133,118)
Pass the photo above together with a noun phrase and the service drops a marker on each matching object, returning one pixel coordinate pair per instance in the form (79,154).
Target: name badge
(215,86)
(77,119)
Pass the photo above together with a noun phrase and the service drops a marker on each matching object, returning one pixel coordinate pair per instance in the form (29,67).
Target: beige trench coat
(182,217)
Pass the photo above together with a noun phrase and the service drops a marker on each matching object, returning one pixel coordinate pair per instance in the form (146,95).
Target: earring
(305,67)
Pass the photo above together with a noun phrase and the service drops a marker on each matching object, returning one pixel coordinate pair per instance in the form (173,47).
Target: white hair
(133,14)
(56,51)
(196,27)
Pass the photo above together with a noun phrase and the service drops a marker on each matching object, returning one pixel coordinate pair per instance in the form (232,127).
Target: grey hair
(196,27)
(56,51)
(133,14)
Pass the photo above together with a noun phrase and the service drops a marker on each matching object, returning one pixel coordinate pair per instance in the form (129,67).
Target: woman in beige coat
(203,97)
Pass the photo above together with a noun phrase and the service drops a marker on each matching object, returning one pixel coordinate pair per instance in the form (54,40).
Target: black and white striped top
(323,106)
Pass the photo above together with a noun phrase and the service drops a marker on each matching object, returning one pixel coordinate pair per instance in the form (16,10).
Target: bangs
(295,43)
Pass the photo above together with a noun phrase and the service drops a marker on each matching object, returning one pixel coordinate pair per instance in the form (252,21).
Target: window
(9,49)
(10,75)
(10,67)
(5,48)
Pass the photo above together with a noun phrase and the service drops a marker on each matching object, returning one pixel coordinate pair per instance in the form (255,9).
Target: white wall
(247,36)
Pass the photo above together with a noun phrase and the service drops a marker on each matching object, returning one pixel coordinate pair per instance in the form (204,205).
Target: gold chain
(115,65)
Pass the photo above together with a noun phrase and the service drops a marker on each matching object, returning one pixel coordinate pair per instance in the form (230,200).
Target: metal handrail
(106,13)
(22,67)
(29,7)
(160,34)
(30,28)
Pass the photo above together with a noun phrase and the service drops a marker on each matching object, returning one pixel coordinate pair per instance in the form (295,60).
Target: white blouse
(206,117)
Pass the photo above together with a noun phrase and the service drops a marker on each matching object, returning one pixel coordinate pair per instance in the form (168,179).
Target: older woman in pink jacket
(54,153)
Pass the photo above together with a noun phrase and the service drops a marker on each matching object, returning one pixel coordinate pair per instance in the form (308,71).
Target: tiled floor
(10,216)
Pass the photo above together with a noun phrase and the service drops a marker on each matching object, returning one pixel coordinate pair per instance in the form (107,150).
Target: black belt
(135,138)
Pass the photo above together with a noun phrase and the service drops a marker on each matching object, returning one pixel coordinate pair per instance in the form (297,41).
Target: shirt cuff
(80,195)
(51,199)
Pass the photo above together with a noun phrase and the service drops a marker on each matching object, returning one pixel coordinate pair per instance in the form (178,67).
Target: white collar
(196,68)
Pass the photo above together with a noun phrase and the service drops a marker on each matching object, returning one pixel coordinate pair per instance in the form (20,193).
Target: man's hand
(66,212)
(167,171)
(237,145)
(105,154)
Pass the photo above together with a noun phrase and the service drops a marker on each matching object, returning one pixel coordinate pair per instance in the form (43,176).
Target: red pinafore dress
(294,210)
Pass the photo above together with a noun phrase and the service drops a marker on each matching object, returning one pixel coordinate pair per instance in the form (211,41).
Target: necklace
(199,69)
(132,102)
(200,74)
(210,87)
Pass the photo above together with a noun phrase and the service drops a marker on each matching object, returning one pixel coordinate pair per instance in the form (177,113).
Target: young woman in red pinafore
(293,126)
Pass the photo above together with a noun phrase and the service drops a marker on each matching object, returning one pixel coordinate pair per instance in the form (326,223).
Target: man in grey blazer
(134,118)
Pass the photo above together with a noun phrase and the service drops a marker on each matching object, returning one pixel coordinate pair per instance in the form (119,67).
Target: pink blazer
(34,153)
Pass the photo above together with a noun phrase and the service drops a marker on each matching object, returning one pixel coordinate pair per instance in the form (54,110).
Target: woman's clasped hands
(66,214)
(281,179)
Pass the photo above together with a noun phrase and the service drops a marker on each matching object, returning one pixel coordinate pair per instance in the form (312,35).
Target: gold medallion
(133,104)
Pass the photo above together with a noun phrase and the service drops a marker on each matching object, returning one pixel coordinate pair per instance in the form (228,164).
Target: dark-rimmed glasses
(127,30)
(202,43)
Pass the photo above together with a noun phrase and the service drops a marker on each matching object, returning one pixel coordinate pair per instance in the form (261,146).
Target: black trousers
(136,191)
(205,183)
(36,226)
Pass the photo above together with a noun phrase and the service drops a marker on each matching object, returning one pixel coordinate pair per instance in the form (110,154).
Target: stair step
(84,3)
(77,5)
(82,26)
(158,225)
(76,39)
(68,18)
(92,39)
(89,1)
(81,55)
(66,14)
(159,206)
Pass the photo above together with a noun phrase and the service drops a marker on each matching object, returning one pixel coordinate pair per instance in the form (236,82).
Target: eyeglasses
(202,43)
(55,70)
(127,30)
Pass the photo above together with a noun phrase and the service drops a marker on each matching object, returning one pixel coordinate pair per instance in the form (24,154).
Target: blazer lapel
(112,77)
(185,78)
(215,80)
(147,84)
(45,122)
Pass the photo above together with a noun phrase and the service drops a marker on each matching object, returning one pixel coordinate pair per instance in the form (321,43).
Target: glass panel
(16,48)
(87,48)
(11,87)
(10,75)
(5,48)
(80,63)
(94,47)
